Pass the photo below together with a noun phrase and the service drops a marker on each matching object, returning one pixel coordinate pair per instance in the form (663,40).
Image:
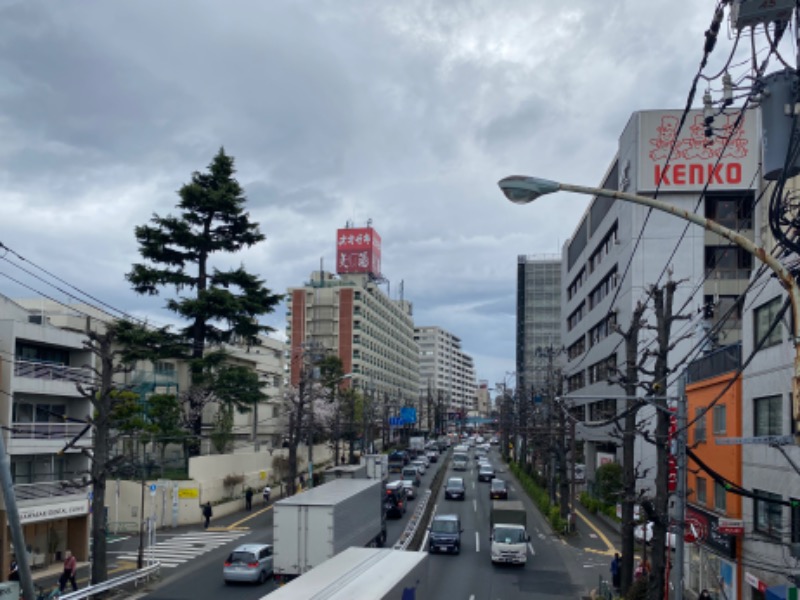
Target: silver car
(250,563)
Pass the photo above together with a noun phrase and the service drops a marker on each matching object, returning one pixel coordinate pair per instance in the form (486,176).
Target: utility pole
(680,492)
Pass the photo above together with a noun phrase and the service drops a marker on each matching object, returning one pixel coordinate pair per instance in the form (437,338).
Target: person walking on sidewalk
(70,570)
(615,571)
(207,513)
(267,491)
(248,499)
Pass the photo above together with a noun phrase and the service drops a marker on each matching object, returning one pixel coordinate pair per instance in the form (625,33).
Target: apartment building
(40,365)
(619,249)
(373,335)
(446,373)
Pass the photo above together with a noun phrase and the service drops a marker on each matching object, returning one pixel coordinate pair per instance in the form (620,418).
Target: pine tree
(224,305)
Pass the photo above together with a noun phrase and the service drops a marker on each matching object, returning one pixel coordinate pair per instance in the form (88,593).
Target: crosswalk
(182,548)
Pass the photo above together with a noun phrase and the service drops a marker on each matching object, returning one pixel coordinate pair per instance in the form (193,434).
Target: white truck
(508,538)
(377,466)
(362,574)
(345,472)
(313,526)
(416,445)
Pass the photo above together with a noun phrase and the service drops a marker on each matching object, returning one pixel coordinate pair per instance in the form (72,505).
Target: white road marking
(530,547)
(477,542)
(593,535)
(475,505)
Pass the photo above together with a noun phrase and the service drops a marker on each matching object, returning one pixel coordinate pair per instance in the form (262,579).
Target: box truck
(508,536)
(345,472)
(377,466)
(313,526)
(362,574)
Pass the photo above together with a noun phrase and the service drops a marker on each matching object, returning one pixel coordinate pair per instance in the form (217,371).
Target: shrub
(608,480)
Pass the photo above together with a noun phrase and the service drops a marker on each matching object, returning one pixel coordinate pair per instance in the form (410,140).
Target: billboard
(358,250)
(694,160)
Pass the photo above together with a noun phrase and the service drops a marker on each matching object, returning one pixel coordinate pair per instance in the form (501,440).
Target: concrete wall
(175,503)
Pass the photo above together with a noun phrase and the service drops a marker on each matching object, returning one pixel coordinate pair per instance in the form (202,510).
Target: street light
(522,190)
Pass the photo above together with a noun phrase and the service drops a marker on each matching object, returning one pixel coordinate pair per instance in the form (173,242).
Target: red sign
(731,526)
(358,250)
(694,530)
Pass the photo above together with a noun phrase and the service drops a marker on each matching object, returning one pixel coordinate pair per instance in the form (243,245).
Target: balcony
(45,438)
(50,378)
(37,493)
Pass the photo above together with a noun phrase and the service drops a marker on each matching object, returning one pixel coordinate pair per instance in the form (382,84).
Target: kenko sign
(694,160)
(358,250)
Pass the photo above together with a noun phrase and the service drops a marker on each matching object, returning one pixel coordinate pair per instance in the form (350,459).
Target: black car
(498,490)
(445,534)
(455,489)
(395,499)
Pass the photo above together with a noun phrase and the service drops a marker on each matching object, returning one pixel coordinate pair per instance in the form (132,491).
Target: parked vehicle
(358,573)
(395,499)
(444,534)
(313,526)
(498,490)
(455,489)
(509,537)
(248,563)
(412,472)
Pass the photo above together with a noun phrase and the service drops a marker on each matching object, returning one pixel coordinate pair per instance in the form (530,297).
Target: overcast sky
(403,112)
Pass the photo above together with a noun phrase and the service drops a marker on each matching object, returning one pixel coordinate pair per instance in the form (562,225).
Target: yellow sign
(188,493)
(262,475)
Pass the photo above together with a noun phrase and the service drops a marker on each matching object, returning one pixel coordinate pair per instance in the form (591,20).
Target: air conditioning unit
(749,13)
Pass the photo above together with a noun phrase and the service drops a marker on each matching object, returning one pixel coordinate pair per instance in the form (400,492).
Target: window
(795,514)
(700,492)
(728,262)
(763,318)
(699,425)
(733,210)
(767,515)
(719,417)
(767,418)
(720,497)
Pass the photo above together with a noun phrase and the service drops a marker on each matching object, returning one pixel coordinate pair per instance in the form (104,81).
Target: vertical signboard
(358,250)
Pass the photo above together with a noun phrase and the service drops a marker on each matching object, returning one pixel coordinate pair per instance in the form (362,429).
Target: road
(551,570)
(200,577)
(555,568)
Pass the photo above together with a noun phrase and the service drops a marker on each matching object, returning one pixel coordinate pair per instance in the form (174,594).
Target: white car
(646,536)
(420,464)
(409,485)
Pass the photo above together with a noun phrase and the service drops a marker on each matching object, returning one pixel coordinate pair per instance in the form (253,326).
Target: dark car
(498,490)
(486,473)
(445,534)
(395,500)
(455,489)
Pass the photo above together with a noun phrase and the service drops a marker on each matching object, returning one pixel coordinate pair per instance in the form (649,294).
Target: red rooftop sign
(358,250)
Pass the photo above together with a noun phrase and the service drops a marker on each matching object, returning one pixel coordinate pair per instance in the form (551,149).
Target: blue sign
(395,421)
(408,414)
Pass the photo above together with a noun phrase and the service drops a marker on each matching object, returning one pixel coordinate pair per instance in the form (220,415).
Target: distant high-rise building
(538,323)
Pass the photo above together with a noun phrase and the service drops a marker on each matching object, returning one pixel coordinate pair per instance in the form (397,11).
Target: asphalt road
(201,577)
(551,570)
(556,568)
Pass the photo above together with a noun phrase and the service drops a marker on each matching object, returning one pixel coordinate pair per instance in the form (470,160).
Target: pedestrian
(615,571)
(704,595)
(302,481)
(13,575)
(207,513)
(643,570)
(267,491)
(248,499)
(70,570)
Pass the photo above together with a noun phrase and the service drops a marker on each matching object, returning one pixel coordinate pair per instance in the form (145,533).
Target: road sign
(152,489)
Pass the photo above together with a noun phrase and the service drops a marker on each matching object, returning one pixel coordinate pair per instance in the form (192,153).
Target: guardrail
(133,577)
(409,532)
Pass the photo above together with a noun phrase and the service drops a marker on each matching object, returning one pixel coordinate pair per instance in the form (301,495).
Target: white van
(460,461)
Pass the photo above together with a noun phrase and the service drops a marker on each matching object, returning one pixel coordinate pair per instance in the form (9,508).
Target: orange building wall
(724,459)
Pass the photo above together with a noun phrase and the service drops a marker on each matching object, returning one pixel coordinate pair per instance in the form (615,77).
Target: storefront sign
(714,539)
(49,512)
(755,582)
(731,526)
